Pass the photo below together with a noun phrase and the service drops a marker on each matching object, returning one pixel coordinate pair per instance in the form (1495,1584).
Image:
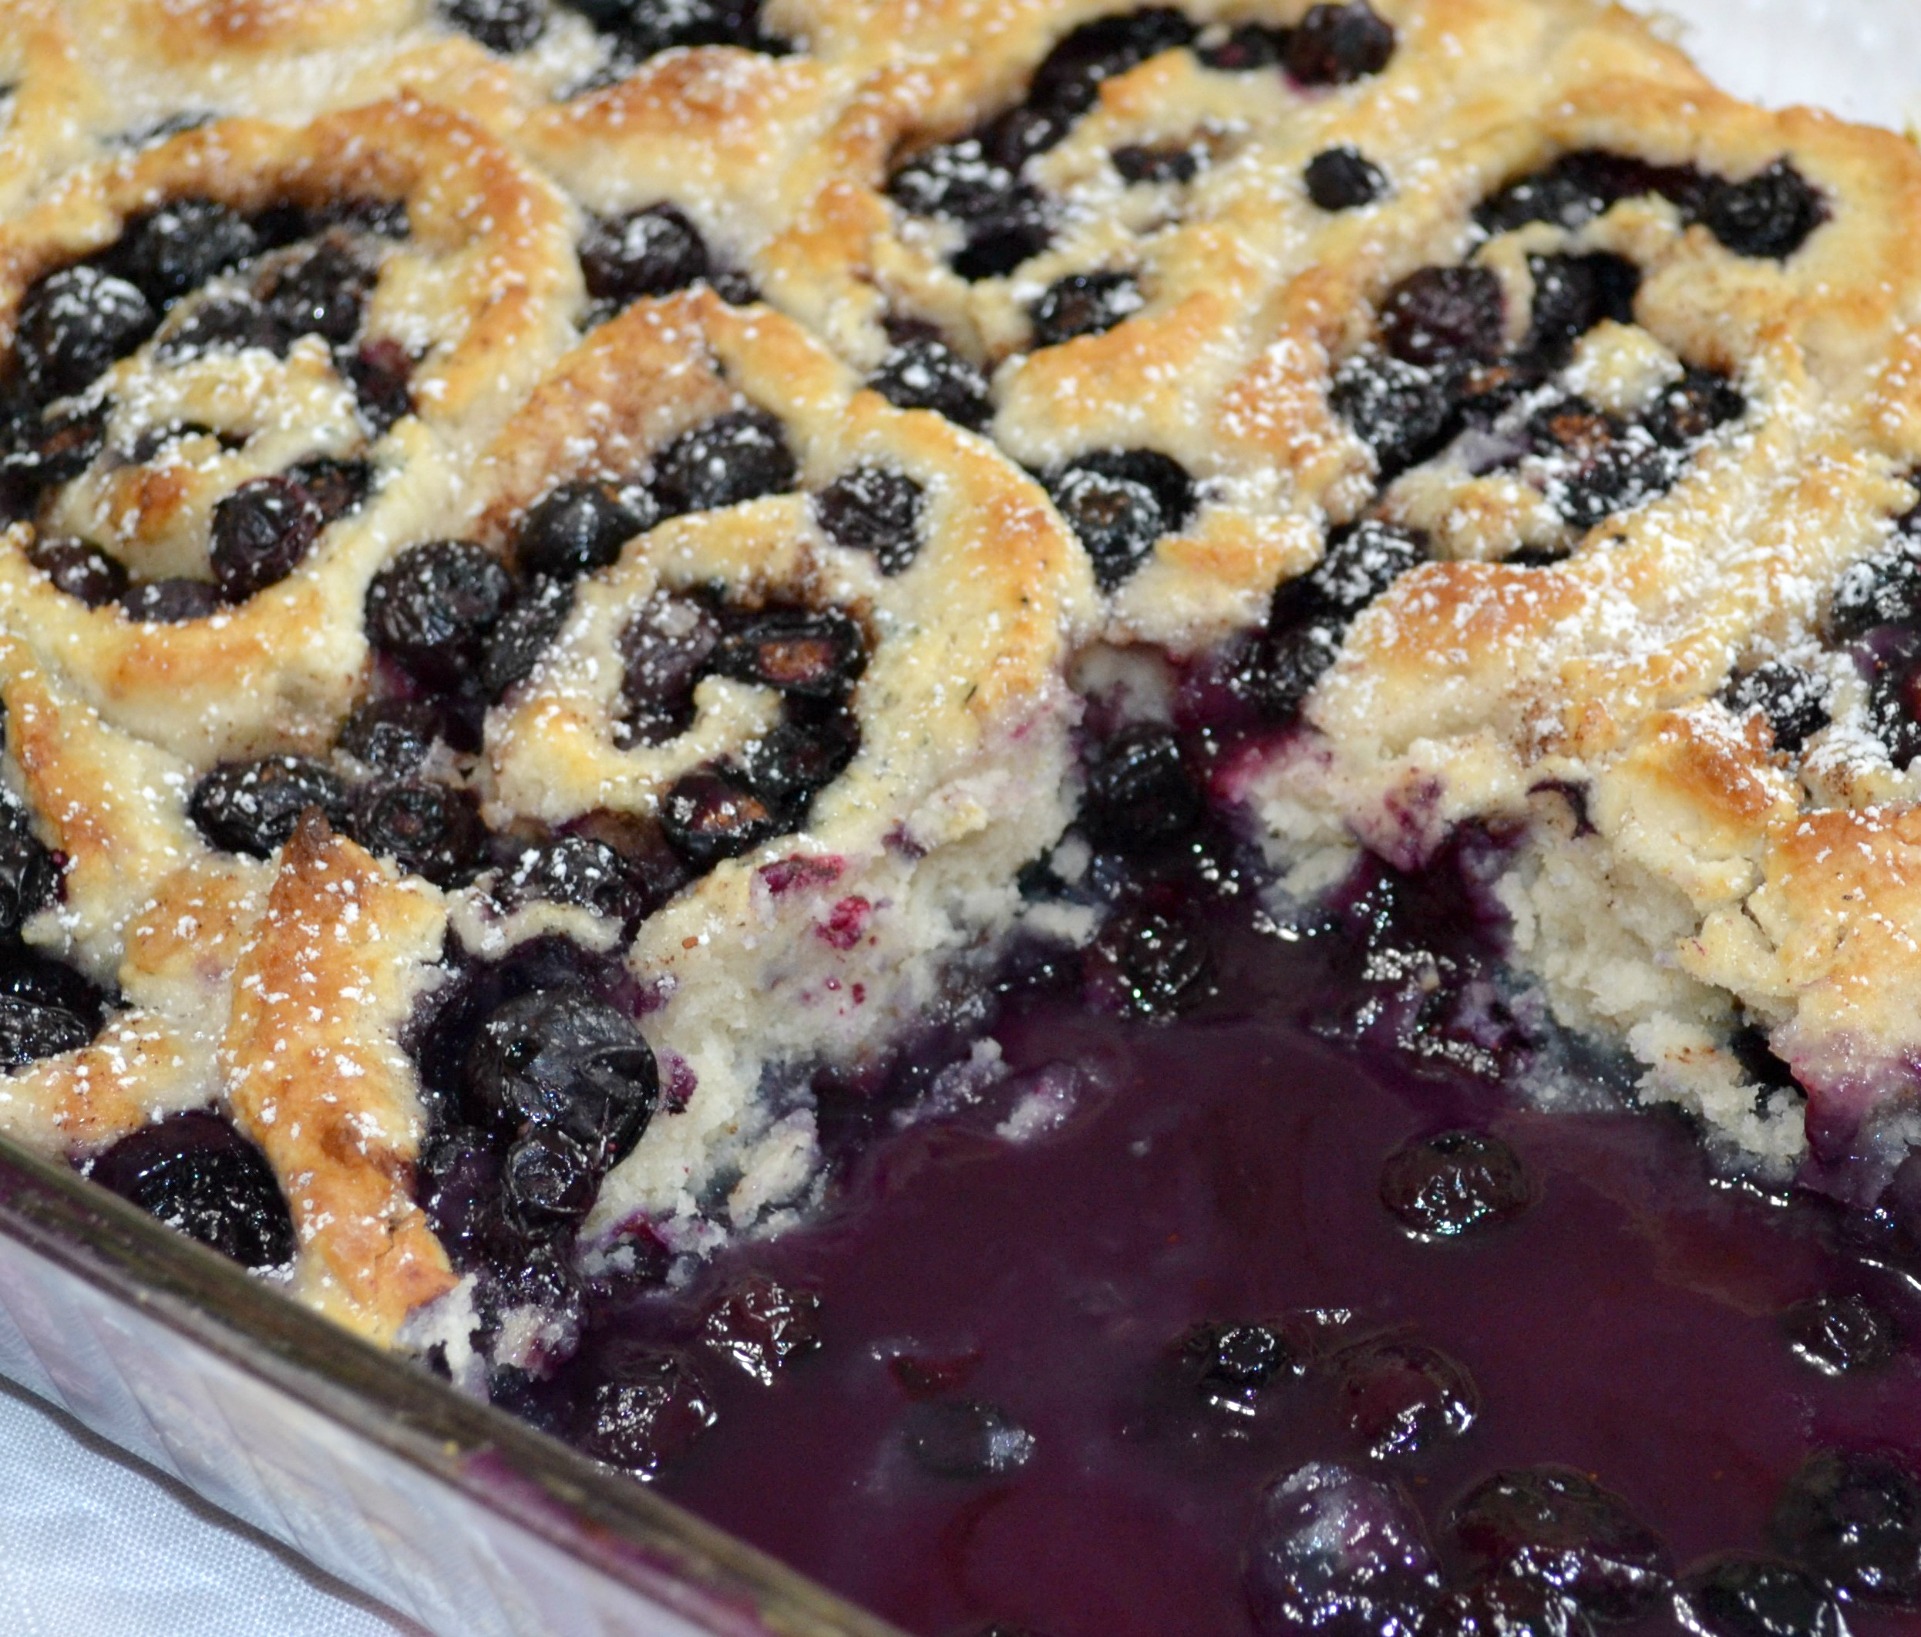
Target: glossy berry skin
(337,487)
(1737,1596)
(379,372)
(433,605)
(1693,407)
(1338,1554)
(1337,44)
(1794,701)
(1083,304)
(1139,792)
(711,814)
(1594,465)
(1361,561)
(648,252)
(735,457)
(1400,1398)
(815,652)
(197,1174)
(429,829)
(1445,316)
(1116,519)
(668,647)
(874,510)
(1769,216)
(321,291)
(505,26)
(30,1031)
(761,1326)
(73,325)
(28,876)
(1572,294)
(390,735)
(924,374)
(230,320)
(170,602)
(958,180)
(1067,82)
(804,753)
(79,568)
(1505,1608)
(574,870)
(1247,47)
(523,634)
(1150,964)
(650,1415)
(1343,179)
(460,1191)
(1884,589)
(1839,1335)
(1456,1182)
(181,245)
(965,1439)
(252,807)
(1560,1529)
(579,527)
(1854,1518)
(1229,1366)
(261,533)
(1402,412)
(547,1181)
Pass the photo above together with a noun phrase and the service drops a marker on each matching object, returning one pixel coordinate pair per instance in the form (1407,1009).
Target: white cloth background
(92,1545)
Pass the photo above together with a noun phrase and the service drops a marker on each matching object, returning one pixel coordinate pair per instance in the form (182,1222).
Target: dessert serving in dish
(938,769)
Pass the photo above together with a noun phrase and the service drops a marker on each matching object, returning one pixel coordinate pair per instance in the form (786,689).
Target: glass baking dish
(449,1511)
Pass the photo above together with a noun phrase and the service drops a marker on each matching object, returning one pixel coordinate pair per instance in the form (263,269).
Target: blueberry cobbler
(1110,816)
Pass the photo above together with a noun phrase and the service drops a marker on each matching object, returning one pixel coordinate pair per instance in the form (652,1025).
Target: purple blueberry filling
(198,1175)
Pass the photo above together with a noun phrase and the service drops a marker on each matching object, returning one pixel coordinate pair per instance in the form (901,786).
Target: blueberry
(1280,669)
(1756,1597)
(1884,589)
(571,870)
(1594,465)
(1138,164)
(31,1030)
(957,180)
(320,290)
(923,374)
(28,874)
(1403,413)
(252,807)
(427,828)
(26,975)
(261,533)
(1337,1554)
(1572,294)
(79,568)
(1068,80)
(1577,187)
(73,324)
(547,1181)
(523,634)
(1344,178)
(433,605)
(1560,1529)
(1361,561)
(1445,316)
(1457,1182)
(1117,520)
(1768,216)
(1855,1519)
(44,450)
(1693,407)
(500,25)
(964,1438)
(1894,708)
(1336,44)
(390,735)
(650,1416)
(197,1174)
(1139,791)
(1838,1335)
(1229,1366)
(647,252)
(1505,1608)
(873,509)
(459,1190)
(181,245)
(805,752)
(1794,701)
(231,319)
(1403,1397)
(1083,304)
(710,815)
(379,371)
(998,244)
(737,456)
(1248,46)
(668,646)
(646,27)
(815,652)
(170,602)
(337,487)
(1151,963)
(579,527)
(761,1326)
(562,1058)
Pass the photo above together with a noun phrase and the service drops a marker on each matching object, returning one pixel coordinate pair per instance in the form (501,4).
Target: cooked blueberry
(1692,408)
(1247,46)
(232,318)
(1575,188)
(1401,412)
(181,245)
(1138,164)
(28,874)
(650,1416)
(668,647)
(644,253)
(654,871)
(1150,963)
(547,1180)
(73,324)
(433,605)
(529,1280)
(1454,1183)
(734,457)
(1794,701)
(924,374)
(805,752)
(871,508)
(1444,316)
(1756,1597)
(958,180)
(1344,179)
(1574,293)
(1083,304)
(252,807)
(26,975)
(427,828)
(1068,80)
(459,1190)
(1593,464)
(1505,1608)
(1229,1365)
(1139,791)
(1855,1519)
(1337,1554)
(1335,44)
(390,735)
(562,1058)
(1117,520)
(999,243)
(570,870)
(525,632)
(1768,216)
(261,533)
(200,1176)
(816,652)
(321,290)
(1884,589)
(1559,1528)
(710,815)
(761,1326)
(1402,1397)
(650,26)
(42,450)
(30,1030)
(79,568)
(1894,708)
(499,25)
(579,527)
(1839,1334)
(964,1438)
(1281,667)
(170,602)
(336,486)
(379,372)
(1361,562)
